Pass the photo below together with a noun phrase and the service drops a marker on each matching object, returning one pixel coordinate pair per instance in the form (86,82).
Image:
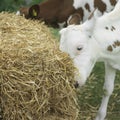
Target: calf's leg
(108,88)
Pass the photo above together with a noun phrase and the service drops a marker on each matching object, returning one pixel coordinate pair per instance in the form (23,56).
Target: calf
(53,12)
(97,39)
(65,12)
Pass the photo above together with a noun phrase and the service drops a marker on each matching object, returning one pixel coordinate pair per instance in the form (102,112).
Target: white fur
(94,39)
(61,25)
(80,3)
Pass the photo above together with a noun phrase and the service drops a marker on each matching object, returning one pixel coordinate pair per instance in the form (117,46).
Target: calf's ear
(74,19)
(91,21)
(34,11)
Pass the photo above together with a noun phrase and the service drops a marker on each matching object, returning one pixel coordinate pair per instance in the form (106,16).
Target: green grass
(55,32)
(90,95)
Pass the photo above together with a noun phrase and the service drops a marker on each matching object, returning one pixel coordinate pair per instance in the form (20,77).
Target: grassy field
(90,95)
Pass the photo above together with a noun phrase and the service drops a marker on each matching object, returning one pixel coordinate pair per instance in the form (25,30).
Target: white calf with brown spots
(89,5)
(98,39)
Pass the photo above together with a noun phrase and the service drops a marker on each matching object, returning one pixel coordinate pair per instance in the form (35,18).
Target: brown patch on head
(87,7)
(100,5)
(109,48)
(75,19)
(113,2)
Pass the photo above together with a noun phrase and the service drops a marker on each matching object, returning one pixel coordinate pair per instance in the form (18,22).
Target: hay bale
(36,78)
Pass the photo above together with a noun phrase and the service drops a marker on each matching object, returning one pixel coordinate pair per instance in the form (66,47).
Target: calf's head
(77,41)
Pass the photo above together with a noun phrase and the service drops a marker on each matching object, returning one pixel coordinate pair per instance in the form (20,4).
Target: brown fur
(110,48)
(113,2)
(24,11)
(87,7)
(100,5)
(58,11)
(55,11)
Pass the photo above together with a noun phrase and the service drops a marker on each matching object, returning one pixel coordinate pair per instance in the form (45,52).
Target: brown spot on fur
(114,45)
(100,5)
(112,28)
(109,48)
(117,43)
(113,2)
(87,7)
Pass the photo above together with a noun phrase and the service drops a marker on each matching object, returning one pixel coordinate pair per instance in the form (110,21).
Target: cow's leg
(108,88)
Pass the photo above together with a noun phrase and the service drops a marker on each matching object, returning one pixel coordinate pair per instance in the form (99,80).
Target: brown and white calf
(66,12)
(97,39)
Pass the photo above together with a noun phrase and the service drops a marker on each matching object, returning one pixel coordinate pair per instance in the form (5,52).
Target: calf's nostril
(76,85)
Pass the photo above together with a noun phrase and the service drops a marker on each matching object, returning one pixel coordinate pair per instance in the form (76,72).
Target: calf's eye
(79,48)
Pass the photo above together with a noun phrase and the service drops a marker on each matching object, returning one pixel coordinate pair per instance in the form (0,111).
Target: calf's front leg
(108,87)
